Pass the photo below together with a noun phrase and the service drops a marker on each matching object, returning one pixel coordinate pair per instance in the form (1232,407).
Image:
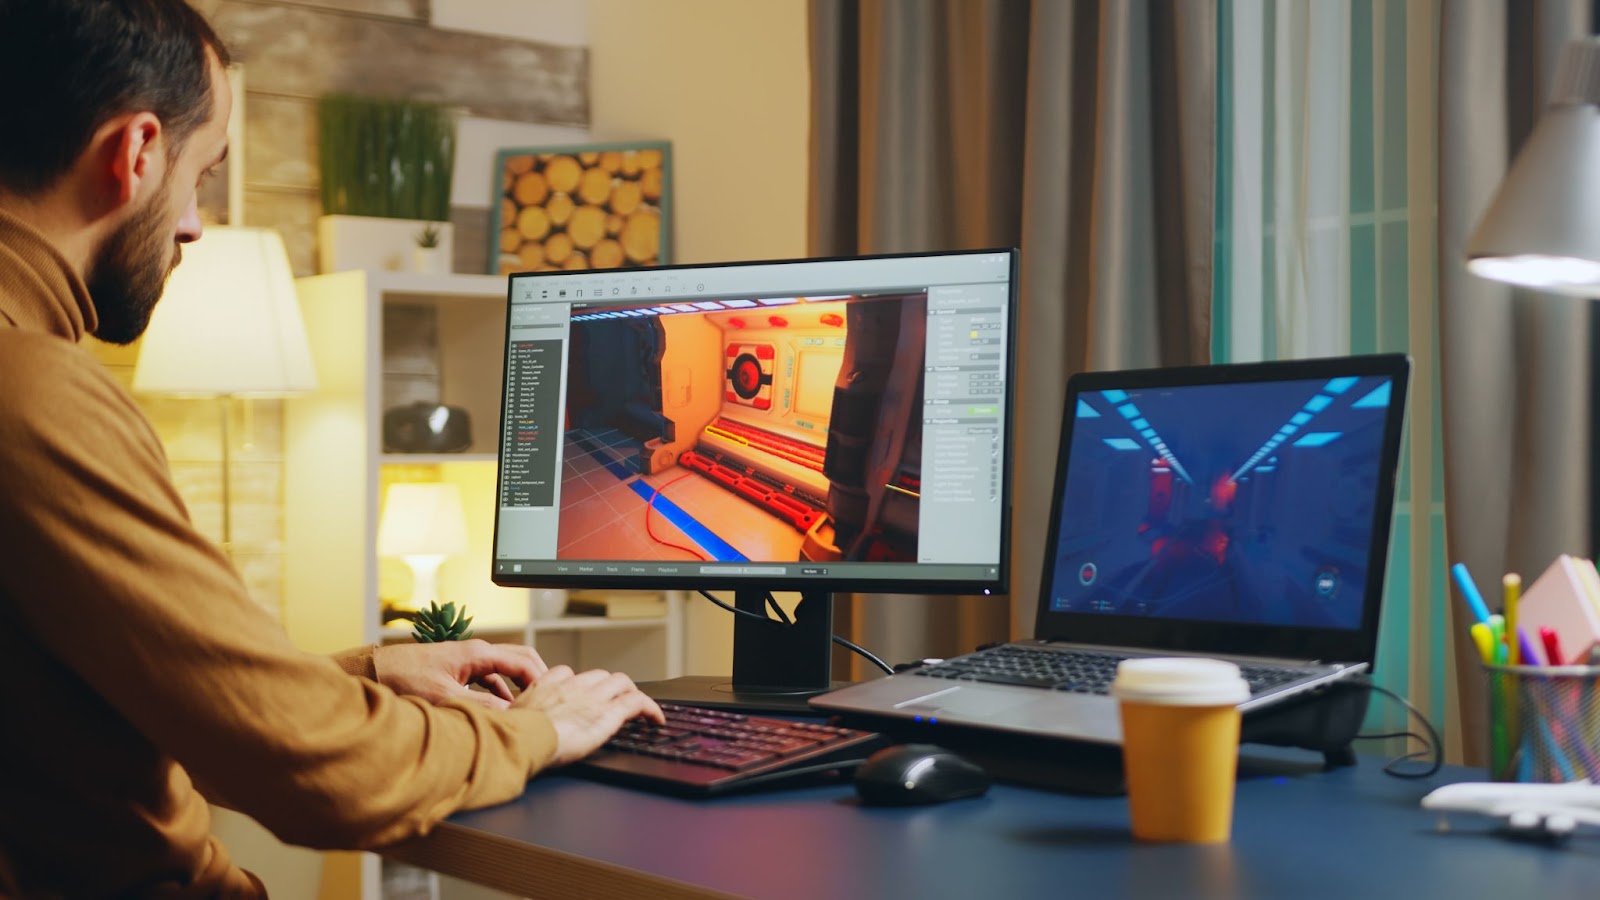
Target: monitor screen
(838,424)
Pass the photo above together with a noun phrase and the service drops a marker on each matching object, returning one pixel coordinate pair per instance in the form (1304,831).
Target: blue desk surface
(1298,832)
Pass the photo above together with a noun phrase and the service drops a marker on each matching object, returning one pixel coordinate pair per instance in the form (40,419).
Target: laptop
(1232,511)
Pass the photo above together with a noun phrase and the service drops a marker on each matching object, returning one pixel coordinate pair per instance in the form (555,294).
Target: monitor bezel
(1294,642)
(997,585)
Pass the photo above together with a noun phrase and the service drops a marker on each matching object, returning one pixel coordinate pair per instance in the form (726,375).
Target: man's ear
(137,153)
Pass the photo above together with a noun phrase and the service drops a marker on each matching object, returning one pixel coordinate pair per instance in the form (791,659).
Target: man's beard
(128,275)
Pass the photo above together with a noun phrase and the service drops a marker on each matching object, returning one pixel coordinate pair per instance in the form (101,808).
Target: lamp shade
(1542,229)
(422,519)
(228,323)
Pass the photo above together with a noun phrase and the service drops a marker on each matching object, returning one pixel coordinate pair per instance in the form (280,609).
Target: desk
(1298,832)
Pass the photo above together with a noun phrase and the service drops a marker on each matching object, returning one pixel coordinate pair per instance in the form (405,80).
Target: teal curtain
(1324,246)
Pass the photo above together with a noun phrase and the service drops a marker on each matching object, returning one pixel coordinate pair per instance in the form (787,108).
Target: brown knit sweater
(133,665)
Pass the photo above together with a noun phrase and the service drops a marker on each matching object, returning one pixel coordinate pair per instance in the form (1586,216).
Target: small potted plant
(441,623)
(429,255)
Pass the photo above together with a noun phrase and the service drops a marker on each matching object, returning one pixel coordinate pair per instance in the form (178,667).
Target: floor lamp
(228,325)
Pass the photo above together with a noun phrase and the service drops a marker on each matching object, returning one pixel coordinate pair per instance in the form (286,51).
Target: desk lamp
(228,326)
(1542,229)
(422,524)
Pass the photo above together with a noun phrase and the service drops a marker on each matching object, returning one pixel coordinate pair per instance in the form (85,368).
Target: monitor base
(718,692)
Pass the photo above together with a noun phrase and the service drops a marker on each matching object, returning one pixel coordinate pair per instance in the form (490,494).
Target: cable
(1434,746)
(772,603)
(847,644)
(736,610)
(864,652)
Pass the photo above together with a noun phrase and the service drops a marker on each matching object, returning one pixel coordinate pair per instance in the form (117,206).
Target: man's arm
(109,576)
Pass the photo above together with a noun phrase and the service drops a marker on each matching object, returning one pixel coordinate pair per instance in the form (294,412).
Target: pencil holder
(1544,723)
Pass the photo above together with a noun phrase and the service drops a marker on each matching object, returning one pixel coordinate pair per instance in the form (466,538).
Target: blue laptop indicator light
(1378,399)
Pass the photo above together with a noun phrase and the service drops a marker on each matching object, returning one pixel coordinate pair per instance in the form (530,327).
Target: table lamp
(1542,229)
(422,524)
(228,325)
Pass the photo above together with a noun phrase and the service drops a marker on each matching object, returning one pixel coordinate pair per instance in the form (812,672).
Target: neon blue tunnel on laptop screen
(1248,503)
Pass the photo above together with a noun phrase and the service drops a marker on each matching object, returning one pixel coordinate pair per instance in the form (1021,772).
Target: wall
(727,81)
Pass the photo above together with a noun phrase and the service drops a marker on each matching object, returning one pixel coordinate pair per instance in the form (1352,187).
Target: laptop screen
(1227,508)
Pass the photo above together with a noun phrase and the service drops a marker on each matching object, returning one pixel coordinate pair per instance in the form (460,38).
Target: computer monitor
(803,425)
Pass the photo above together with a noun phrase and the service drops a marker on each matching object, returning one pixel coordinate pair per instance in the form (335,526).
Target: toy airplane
(1548,810)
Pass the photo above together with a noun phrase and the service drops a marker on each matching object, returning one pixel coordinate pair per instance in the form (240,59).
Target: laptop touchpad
(973,703)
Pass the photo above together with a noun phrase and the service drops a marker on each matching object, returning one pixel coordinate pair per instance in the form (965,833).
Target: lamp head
(1542,229)
(228,323)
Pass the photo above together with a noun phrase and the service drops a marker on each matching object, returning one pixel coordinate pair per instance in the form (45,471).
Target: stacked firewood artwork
(591,209)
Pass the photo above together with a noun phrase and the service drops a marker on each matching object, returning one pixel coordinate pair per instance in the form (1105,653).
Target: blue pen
(1470,591)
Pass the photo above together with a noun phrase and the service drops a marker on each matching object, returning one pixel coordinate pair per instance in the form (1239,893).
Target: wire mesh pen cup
(1544,723)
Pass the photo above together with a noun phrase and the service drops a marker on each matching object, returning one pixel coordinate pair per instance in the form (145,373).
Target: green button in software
(983,410)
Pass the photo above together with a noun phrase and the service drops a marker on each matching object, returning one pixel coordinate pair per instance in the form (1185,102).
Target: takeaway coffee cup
(1180,745)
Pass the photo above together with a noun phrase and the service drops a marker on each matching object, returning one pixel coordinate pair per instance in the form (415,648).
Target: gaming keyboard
(701,751)
(1081,671)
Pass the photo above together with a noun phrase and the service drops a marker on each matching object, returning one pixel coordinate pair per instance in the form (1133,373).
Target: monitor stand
(776,667)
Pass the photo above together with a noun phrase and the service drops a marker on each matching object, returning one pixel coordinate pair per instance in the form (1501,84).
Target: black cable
(1434,746)
(736,610)
(864,652)
(772,603)
(786,623)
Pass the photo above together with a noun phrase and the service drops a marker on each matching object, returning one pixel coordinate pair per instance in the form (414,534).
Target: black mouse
(915,774)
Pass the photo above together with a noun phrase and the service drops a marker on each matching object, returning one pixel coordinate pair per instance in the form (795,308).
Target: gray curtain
(1514,364)
(1083,133)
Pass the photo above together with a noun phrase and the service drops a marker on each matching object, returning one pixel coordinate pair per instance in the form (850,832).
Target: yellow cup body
(1180,763)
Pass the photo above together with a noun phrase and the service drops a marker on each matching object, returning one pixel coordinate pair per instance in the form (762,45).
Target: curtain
(1084,134)
(1325,247)
(1515,364)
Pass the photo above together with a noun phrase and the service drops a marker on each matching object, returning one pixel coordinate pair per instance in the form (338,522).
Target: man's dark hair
(69,66)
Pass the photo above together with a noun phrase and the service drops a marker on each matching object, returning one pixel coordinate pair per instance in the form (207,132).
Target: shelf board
(565,623)
(595,623)
(493,287)
(415,459)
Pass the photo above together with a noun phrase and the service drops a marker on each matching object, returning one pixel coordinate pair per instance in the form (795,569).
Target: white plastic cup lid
(1180,681)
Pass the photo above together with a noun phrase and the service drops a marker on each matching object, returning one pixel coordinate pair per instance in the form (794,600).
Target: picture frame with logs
(590,206)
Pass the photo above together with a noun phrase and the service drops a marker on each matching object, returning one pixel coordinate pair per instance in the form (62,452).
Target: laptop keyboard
(1080,671)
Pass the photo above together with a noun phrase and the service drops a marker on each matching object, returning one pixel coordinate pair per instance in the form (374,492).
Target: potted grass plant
(386,169)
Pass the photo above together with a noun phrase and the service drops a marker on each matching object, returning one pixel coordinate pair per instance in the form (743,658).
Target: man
(135,665)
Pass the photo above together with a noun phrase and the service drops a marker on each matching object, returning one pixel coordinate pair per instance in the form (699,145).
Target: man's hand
(445,671)
(587,709)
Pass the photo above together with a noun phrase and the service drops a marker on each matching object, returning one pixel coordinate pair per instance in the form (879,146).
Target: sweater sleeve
(108,574)
(358,661)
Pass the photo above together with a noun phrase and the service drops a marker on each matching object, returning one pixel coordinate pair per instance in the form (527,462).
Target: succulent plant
(441,623)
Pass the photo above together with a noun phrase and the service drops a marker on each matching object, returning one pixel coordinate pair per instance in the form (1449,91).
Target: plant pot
(376,244)
(428,260)
(549,604)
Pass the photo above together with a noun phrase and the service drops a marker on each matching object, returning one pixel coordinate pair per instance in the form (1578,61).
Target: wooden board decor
(602,206)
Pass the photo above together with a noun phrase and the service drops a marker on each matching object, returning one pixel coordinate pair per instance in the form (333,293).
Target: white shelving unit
(336,472)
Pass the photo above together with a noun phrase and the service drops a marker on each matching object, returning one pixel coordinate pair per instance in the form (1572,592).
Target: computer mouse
(916,774)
